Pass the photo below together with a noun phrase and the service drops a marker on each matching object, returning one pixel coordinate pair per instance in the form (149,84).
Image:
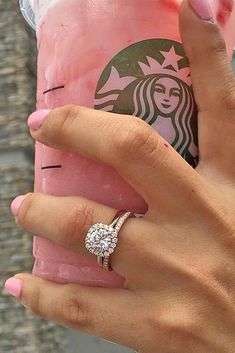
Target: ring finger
(69,221)
(143,246)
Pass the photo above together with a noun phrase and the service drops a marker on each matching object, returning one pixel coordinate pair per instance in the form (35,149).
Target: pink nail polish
(35,120)
(14,286)
(228,4)
(203,9)
(224,11)
(15,205)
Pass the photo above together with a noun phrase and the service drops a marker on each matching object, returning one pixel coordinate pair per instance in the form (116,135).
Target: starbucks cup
(116,56)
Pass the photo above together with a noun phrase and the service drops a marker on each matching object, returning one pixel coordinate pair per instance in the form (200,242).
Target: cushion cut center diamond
(101,240)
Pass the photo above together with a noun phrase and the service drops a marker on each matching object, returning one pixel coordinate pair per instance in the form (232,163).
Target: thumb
(212,76)
(212,79)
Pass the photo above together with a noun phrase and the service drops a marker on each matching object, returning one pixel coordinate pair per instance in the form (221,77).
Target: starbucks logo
(151,80)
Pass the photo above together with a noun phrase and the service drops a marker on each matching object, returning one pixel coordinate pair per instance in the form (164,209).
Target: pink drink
(114,55)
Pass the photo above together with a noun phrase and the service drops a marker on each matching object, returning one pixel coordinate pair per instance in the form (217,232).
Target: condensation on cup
(115,56)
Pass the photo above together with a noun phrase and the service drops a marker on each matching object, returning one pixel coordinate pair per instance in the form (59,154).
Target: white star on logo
(171,58)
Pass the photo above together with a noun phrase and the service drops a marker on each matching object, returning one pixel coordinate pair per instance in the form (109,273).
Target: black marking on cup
(53,89)
(51,167)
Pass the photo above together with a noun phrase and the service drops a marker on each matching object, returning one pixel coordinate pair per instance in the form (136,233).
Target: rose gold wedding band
(101,239)
(118,221)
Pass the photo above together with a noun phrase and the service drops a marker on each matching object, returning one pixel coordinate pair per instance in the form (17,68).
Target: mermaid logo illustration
(151,80)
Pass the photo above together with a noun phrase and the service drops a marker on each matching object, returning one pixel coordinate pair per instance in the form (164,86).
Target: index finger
(128,144)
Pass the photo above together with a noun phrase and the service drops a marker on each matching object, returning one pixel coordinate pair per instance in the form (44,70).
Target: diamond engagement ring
(101,239)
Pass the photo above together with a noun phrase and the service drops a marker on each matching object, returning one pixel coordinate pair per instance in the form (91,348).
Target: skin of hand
(179,259)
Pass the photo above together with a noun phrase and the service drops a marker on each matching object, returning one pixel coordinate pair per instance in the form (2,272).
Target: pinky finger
(102,312)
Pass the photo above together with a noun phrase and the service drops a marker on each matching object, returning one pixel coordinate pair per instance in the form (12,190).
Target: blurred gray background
(21,332)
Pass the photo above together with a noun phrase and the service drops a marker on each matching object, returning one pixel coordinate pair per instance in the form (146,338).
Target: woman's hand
(179,259)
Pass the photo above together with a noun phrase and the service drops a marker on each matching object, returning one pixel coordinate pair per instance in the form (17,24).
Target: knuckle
(223,278)
(76,223)
(61,123)
(24,216)
(216,43)
(190,332)
(35,303)
(222,223)
(179,323)
(228,96)
(137,136)
(219,217)
(69,114)
(216,47)
(75,311)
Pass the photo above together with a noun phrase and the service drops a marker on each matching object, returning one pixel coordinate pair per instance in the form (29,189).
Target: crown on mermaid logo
(170,66)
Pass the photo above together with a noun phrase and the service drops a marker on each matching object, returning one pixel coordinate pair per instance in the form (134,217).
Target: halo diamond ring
(101,239)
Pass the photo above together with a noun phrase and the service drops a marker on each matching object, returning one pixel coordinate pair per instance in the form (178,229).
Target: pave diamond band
(101,239)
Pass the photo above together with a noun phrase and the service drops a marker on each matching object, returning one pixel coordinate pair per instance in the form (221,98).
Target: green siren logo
(151,80)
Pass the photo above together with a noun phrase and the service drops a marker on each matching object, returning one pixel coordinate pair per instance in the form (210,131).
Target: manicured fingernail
(15,205)
(228,4)
(14,286)
(35,120)
(203,9)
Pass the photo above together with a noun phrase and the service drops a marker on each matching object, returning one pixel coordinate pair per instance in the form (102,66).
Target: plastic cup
(119,56)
